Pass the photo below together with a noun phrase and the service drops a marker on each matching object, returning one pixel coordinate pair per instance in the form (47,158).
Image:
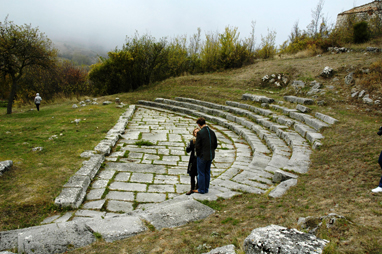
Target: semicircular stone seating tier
(259,150)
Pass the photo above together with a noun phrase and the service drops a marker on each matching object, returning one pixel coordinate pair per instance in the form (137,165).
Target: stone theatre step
(281,152)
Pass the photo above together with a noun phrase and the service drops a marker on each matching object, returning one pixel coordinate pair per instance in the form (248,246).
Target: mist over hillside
(78,53)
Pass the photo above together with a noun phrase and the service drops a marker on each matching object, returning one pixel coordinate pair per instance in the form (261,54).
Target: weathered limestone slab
(50,219)
(55,238)
(303,129)
(313,137)
(103,148)
(119,206)
(325,118)
(142,178)
(176,212)
(300,100)
(120,195)
(257,98)
(9,238)
(281,176)
(309,120)
(99,184)
(134,167)
(166,179)
(117,228)
(277,239)
(72,197)
(300,160)
(95,194)
(65,217)
(127,186)
(91,214)
(94,204)
(237,186)
(122,177)
(212,195)
(282,188)
(150,197)
(228,249)
(162,188)
(303,109)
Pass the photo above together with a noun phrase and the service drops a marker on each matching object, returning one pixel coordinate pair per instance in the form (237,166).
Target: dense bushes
(62,79)
(144,60)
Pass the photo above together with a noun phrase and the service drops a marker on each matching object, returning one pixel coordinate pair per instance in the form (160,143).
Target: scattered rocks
(327,72)
(366,99)
(106,103)
(74,106)
(275,80)
(37,149)
(77,121)
(277,239)
(336,50)
(312,224)
(228,249)
(300,100)
(373,49)
(53,137)
(298,84)
(316,88)
(361,94)
(5,166)
(349,80)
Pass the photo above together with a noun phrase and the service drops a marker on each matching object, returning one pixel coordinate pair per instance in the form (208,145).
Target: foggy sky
(107,23)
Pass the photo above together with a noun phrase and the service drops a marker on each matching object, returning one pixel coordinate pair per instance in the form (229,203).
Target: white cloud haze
(107,23)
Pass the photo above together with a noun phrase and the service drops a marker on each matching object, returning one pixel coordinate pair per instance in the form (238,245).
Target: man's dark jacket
(206,143)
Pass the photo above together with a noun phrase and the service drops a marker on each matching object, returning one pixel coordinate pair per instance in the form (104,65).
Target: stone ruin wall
(367,12)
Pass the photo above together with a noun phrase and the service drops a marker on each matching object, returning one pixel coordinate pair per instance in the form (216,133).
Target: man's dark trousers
(204,175)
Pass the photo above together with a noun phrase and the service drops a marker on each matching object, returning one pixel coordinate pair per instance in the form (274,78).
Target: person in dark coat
(206,144)
(192,168)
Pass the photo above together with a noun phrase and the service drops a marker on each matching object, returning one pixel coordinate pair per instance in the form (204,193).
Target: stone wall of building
(368,12)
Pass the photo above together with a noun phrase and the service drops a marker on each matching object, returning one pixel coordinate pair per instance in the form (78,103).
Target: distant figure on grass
(206,143)
(192,168)
(37,101)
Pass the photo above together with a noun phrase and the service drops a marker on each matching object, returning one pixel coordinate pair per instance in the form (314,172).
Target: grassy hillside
(340,179)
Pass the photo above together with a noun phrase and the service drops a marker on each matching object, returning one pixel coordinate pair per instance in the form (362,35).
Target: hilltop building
(370,12)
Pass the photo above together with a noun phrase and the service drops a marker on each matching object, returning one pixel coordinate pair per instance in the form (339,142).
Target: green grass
(28,190)
(143,143)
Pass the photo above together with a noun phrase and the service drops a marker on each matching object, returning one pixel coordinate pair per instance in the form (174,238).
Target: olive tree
(22,47)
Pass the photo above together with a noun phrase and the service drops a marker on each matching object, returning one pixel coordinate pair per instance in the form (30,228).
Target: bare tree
(314,26)
(194,46)
(252,40)
(295,33)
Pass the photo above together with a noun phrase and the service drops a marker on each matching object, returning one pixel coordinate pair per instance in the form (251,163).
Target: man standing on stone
(206,143)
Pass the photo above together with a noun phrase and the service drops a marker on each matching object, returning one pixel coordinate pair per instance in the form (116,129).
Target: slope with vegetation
(342,174)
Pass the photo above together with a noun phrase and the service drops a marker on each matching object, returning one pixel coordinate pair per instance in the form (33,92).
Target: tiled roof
(373,6)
